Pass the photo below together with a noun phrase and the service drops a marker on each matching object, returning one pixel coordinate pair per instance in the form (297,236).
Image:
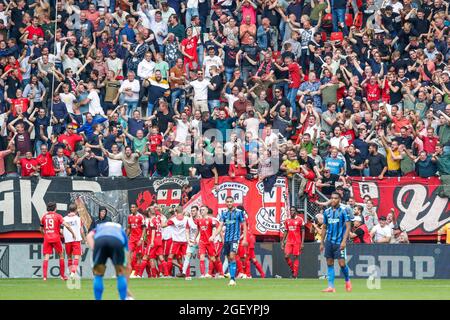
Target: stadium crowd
(329,90)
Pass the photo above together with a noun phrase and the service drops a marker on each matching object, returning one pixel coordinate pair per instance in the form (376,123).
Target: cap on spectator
(388,8)
(163,2)
(378,31)
(446,72)
(382,219)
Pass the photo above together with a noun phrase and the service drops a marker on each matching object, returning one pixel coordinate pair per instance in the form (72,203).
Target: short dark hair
(51,206)
(336,194)
(73,207)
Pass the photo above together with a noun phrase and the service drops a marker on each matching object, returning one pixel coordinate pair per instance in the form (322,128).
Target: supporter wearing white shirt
(130,92)
(252,123)
(70,61)
(182,128)
(211,60)
(68,98)
(157,25)
(166,11)
(339,141)
(146,67)
(200,87)
(114,64)
(382,232)
(93,99)
(114,166)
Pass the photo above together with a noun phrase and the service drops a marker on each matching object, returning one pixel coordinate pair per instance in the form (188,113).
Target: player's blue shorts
(231,246)
(333,251)
(109,247)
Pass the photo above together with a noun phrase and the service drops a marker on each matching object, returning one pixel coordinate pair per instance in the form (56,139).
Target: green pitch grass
(260,289)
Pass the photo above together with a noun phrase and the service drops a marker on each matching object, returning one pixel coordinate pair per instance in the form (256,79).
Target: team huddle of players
(158,243)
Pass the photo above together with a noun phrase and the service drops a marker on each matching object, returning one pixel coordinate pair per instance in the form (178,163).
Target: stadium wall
(413,261)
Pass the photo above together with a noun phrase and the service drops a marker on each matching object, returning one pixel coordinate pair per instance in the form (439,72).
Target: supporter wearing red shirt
(19,103)
(69,139)
(188,48)
(373,89)
(399,121)
(29,165)
(430,141)
(14,67)
(34,30)
(154,139)
(45,162)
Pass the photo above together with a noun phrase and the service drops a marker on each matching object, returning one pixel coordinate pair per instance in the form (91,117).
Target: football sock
(154,272)
(163,265)
(331,276)
(259,268)
(62,268)
(45,269)
(69,264)
(232,267)
(142,267)
(219,267)
(169,266)
(289,262)
(75,265)
(225,265)
(186,264)
(211,267)
(122,286)
(248,267)
(238,265)
(98,287)
(202,267)
(296,264)
(344,270)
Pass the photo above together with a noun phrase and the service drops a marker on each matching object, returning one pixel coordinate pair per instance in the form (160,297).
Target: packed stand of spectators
(327,90)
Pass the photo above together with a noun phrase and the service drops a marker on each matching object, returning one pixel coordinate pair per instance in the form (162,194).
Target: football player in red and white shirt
(51,223)
(135,233)
(295,235)
(180,239)
(206,225)
(73,244)
(154,246)
(251,257)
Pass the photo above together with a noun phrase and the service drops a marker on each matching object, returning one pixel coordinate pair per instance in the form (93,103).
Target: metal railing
(303,203)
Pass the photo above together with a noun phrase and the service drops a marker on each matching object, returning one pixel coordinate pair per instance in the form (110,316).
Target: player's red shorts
(167,246)
(251,253)
(73,248)
(292,249)
(156,251)
(206,248)
(133,247)
(218,246)
(242,251)
(49,246)
(178,248)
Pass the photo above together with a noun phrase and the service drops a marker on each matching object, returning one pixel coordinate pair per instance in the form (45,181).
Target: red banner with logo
(266,210)
(418,208)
